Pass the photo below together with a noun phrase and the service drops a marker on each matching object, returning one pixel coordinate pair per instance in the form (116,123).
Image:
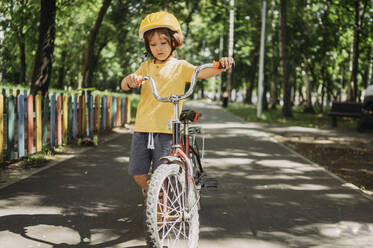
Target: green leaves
(320,35)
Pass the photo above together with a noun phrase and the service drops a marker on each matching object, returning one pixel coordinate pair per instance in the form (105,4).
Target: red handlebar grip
(216,64)
(139,82)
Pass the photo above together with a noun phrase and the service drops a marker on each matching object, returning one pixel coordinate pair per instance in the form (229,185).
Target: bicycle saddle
(188,114)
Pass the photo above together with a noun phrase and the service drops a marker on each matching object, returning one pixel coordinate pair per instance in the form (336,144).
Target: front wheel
(171,221)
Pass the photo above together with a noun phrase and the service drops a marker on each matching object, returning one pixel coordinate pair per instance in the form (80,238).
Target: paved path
(268,197)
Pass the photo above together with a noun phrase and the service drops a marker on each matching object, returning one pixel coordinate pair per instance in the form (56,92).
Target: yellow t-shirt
(170,78)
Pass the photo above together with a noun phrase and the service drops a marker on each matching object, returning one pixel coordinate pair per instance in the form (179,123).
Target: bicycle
(172,201)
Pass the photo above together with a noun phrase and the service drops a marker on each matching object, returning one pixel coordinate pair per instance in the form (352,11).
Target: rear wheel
(171,221)
(195,158)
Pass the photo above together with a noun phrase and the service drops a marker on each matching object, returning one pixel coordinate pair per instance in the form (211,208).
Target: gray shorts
(142,158)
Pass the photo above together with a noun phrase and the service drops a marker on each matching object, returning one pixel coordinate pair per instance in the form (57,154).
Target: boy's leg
(143,181)
(140,160)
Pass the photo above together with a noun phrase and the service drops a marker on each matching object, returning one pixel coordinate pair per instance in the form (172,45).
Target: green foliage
(320,36)
(320,120)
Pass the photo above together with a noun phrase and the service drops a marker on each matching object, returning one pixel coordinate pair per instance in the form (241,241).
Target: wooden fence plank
(20,125)
(45,115)
(122,103)
(125,109)
(96,122)
(65,123)
(119,111)
(90,106)
(128,110)
(30,124)
(75,116)
(39,143)
(84,122)
(104,103)
(59,120)
(114,111)
(80,113)
(99,113)
(10,126)
(53,120)
(70,121)
(109,112)
(1,127)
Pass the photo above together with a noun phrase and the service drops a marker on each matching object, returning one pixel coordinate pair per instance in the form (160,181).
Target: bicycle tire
(166,222)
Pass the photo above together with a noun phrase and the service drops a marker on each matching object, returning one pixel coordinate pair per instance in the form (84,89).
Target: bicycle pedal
(210,184)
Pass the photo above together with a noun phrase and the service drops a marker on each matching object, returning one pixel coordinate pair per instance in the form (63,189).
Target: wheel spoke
(166,205)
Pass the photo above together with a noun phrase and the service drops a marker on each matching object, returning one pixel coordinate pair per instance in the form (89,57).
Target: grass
(300,118)
(35,160)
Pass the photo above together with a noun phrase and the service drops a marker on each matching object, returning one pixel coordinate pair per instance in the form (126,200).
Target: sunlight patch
(228,162)
(281,163)
(26,204)
(280,177)
(103,236)
(340,196)
(13,240)
(122,159)
(53,234)
(239,242)
(292,187)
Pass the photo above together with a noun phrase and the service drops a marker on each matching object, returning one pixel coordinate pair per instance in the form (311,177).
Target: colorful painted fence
(29,124)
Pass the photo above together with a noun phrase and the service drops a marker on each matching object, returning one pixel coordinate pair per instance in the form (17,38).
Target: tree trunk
(273,93)
(287,107)
(322,102)
(264,98)
(44,54)
(366,73)
(220,86)
(230,45)
(252,73)
(252,77)
(309,107)
(262,90)
(272,75)
(355,52)
(370,69)
(89,58)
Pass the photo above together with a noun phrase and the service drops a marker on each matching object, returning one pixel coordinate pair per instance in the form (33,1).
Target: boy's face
(159,46)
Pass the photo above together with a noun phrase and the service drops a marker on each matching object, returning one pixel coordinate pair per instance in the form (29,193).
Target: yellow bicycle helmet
(160,19)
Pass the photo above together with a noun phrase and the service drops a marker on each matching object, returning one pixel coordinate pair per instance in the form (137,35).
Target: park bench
(345,109)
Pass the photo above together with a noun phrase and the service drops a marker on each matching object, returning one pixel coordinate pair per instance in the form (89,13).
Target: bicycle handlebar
(174,98)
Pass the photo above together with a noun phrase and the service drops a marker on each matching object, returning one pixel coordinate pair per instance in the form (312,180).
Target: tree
(230,44)
(44,54)
(18,15)
(261,93)
(355,48)
(287,107)
(89,58)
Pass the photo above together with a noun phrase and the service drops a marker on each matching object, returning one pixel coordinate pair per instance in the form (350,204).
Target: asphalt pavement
(267,197)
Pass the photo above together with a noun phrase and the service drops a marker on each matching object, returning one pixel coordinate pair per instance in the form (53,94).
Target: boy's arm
(225,62)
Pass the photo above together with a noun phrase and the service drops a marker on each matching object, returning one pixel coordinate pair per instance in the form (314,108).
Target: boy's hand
(133,81)
(226,63)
